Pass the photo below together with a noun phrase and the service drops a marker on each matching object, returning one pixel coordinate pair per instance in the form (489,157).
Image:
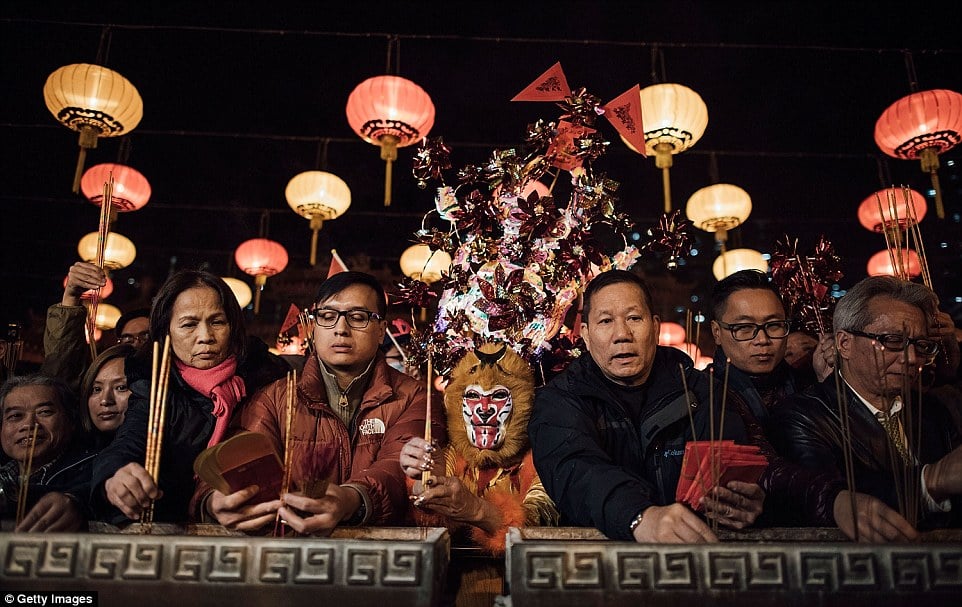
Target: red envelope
(707,464)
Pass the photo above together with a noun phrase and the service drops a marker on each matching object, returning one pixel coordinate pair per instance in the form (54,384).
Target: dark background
(240,97)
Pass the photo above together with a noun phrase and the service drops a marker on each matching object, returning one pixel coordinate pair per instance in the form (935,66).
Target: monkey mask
(488,403)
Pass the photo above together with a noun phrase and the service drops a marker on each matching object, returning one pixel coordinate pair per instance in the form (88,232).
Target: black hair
(129,316)
(739,281)
(161,313)
(90,376)
(614,277)
(342,280)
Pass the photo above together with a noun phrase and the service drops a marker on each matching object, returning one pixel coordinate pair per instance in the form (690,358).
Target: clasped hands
(444,495)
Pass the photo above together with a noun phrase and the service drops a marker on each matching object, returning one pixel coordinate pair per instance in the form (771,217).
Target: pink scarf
(222,386)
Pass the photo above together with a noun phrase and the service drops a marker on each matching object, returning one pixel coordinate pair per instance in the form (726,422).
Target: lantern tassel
(259,281)
(663,161)
(388,155)
(316,223)
(930,164)
(88,141)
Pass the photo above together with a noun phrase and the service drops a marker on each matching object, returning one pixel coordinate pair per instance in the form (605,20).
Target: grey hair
(852,311)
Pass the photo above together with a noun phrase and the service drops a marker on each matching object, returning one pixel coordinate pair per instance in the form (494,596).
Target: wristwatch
(636,521)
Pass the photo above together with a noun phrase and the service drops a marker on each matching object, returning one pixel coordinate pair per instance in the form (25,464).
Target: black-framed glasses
(746,331)
(357,318)
(134,339)
(896,342)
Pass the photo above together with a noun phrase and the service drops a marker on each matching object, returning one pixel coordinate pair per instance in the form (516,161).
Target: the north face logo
(372,426)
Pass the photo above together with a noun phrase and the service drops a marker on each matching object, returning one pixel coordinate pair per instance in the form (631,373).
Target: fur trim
(511,507)
(512,372)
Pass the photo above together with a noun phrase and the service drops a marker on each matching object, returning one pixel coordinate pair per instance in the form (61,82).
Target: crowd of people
(860,427)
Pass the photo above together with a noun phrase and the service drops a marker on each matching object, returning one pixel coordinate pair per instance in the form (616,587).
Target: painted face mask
(486,414)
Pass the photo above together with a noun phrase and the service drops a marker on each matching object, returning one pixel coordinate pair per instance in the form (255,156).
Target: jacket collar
(380,387)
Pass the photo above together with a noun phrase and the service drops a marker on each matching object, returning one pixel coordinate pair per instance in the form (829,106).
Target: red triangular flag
(624,113)
(549,86)
(337,266)
(290,320)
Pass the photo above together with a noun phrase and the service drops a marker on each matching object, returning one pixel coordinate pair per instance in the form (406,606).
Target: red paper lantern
(390,112)
(922,125)
(105,290)
(671,334)
(131,188)
(899,207)
(880,264)
(260,258)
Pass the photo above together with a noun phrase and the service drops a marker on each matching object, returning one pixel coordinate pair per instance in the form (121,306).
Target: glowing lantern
(899,207)
(107,316)
(922,125)
(241,291)
(421,263)
(736,260)
(719,208)
(693,351)
(675,118)
(95,101)
(105,290)
(260,258)
(390,112)
(317,196)
(119,253)
(131,188)
(671,333)
(907,265)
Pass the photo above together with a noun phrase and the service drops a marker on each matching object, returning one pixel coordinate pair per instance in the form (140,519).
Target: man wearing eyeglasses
(353,413)
(750,329)
(904,452)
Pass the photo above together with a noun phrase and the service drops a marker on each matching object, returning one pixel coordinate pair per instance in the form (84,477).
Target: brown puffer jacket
(391,412)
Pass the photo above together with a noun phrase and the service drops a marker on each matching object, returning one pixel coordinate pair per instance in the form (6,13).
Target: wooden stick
(288,443)
(25,476)
(426,475)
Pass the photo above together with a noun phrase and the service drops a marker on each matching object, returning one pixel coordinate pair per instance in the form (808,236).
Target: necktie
(894,431)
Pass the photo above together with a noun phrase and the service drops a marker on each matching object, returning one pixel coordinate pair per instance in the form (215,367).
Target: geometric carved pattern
(411,562)
(541,568)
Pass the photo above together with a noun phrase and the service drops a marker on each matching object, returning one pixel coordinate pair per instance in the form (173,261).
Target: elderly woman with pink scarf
(215,368)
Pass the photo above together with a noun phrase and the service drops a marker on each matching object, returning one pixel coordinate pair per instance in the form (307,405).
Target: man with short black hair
(751,328)
(609,432)
(353,415)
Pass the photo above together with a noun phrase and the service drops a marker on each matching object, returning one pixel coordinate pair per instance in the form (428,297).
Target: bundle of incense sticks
(25,476)
(288,444)
(897,248)
(103,231)
(715,442)
(159,377)
(426,475)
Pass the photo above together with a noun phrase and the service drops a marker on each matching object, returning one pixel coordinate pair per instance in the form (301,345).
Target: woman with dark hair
(104,394)
(215,368)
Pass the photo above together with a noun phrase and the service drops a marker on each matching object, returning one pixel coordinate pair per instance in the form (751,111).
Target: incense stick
(847,454)
(691,416)
(291,394)
(426,475)
(25,476)
(160,377)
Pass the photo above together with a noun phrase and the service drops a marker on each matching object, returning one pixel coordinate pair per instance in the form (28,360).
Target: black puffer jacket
(188,428)
(595,465)
(807,429)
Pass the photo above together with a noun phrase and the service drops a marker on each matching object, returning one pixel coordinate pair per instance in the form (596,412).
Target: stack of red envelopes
(711,463)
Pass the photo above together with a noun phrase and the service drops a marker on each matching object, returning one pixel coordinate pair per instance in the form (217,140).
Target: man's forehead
(753,302)
(352,296)
(30,397)
(893,314)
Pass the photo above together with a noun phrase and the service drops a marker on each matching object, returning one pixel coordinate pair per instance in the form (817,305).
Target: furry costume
(503,475)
